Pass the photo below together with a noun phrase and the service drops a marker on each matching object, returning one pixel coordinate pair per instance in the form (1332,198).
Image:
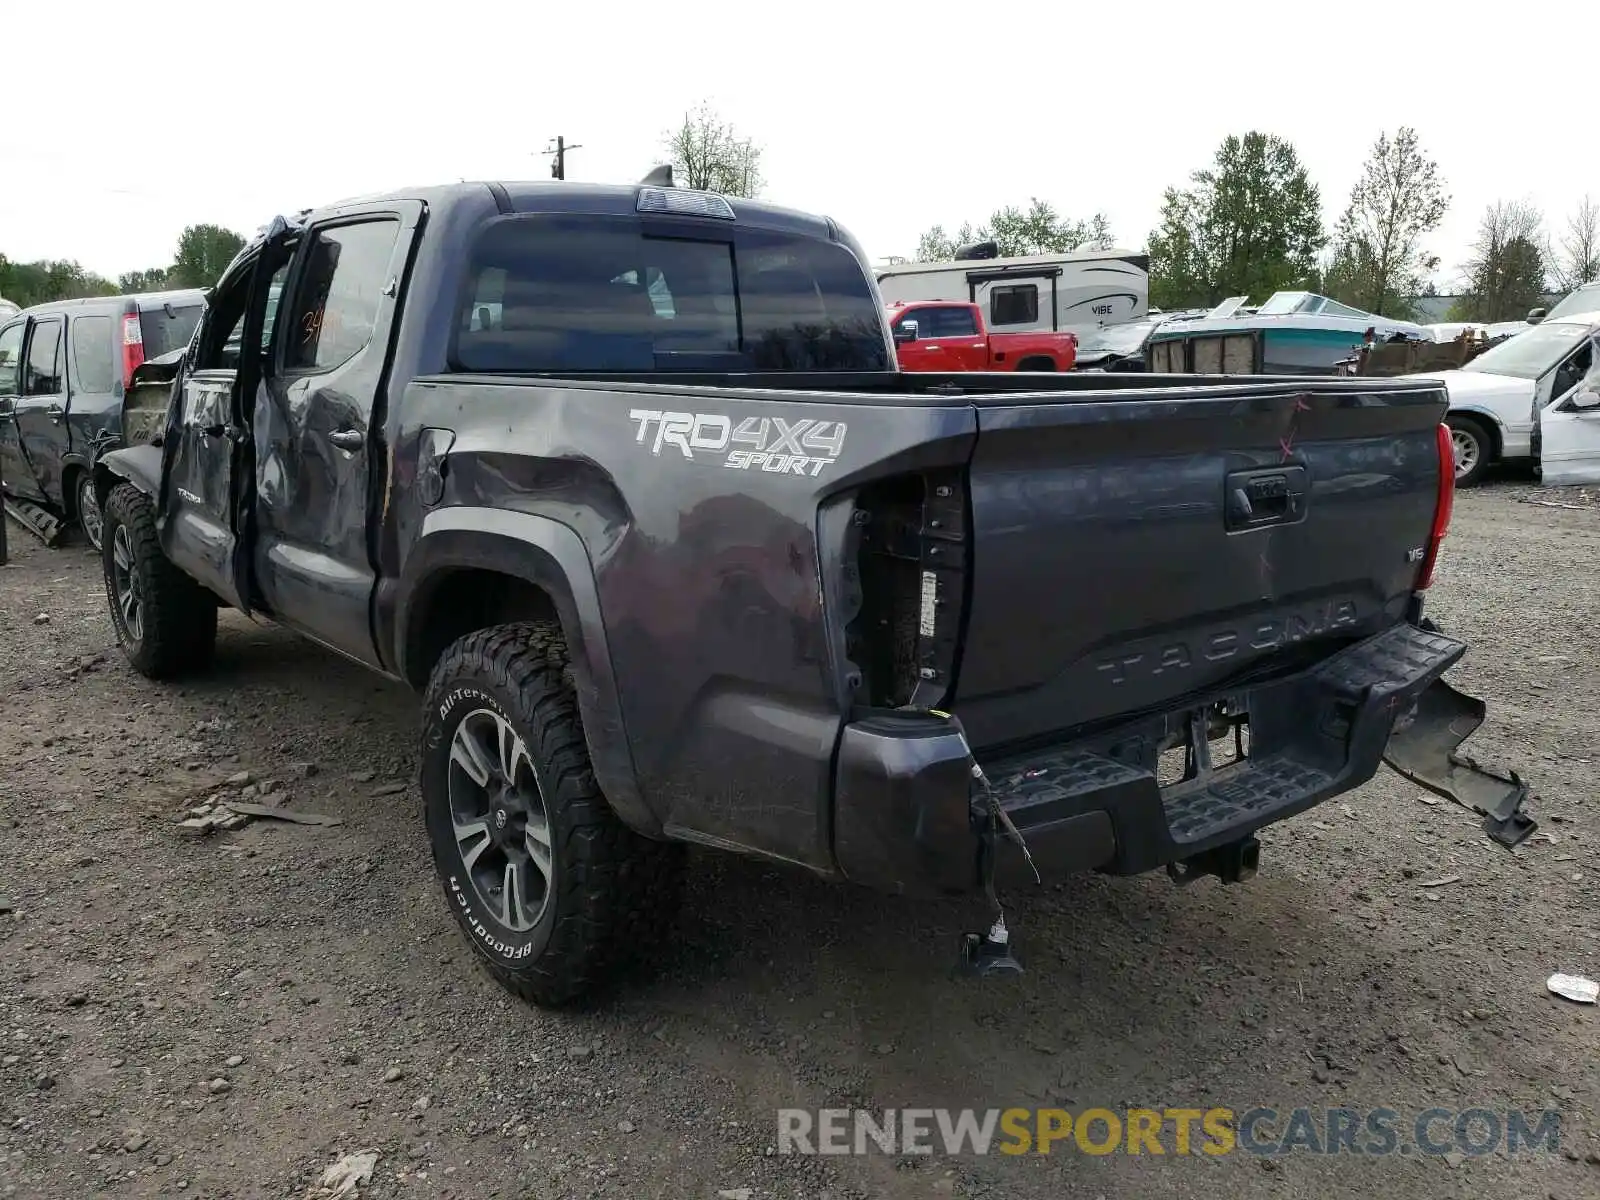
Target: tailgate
(1133,550)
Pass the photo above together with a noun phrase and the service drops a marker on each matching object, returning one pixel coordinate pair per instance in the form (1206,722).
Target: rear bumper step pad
(903,819)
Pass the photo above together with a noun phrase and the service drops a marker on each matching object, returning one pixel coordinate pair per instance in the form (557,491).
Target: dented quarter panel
(706,575)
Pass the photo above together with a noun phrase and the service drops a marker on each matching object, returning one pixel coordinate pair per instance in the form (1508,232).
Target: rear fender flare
(138,465)
(551,556)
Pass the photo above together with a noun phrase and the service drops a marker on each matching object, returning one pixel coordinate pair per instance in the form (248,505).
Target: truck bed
(1045,557)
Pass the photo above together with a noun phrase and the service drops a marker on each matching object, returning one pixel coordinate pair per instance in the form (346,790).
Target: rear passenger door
(16,473)
(320,451)
(41,408)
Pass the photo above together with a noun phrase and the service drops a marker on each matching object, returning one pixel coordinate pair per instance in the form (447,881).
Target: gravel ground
(226,1016)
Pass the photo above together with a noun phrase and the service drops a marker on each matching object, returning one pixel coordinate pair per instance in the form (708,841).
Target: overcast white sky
(128,121)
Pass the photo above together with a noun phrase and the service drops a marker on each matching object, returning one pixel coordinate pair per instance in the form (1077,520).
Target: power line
(558,168)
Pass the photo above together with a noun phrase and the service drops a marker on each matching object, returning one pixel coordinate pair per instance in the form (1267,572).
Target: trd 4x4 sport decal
(800,447)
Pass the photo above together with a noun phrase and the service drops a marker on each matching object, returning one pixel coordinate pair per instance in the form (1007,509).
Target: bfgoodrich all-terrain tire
(551,889)
(166,622)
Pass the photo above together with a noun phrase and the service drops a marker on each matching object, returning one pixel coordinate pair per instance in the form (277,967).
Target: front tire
(551,889)
(1474,449)
(166,623)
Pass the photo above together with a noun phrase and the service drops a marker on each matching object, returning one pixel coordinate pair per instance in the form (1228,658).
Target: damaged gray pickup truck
(623,482)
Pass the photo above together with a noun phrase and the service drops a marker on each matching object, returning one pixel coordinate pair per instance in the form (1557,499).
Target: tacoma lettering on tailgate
(782,447)
(1267,632)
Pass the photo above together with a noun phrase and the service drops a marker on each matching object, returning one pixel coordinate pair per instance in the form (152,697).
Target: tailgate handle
(1270,496)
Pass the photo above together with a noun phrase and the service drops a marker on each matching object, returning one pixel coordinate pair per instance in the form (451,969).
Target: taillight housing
(1442,509)
(132,346)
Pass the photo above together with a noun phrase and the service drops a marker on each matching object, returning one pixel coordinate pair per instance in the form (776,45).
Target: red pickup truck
(948,335)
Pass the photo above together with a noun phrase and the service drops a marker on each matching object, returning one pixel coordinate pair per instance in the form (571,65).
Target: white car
(1521,388)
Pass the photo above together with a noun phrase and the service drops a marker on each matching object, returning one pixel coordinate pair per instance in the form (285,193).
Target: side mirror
(1535,315)
(1586,397)
(905,332)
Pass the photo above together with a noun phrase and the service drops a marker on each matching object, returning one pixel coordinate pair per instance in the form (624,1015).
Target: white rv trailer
(1076,292)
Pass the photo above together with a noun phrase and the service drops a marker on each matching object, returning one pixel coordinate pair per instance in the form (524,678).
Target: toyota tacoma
(624,482)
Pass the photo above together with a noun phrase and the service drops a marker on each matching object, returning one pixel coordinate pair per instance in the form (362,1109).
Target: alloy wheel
(1466,450)
(89,515)
(125,580)
(502,828)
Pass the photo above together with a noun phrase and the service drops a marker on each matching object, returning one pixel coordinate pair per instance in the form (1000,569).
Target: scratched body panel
(706,561)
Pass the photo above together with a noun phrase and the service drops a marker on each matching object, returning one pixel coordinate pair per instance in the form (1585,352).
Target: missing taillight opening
(911,564)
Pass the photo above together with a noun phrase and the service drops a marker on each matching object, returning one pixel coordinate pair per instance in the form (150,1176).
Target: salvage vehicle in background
(64,368)
(1503,396)
(1121,347)
(1074,291)
(949,335)
(1581,299)
(623,482)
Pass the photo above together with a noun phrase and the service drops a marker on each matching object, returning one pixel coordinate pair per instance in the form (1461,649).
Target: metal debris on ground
(343,1177)
(280,814)
(1574,987)
(1440,882)
(224,815)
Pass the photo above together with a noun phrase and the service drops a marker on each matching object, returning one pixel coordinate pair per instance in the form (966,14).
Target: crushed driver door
(1568,434)
(209,459)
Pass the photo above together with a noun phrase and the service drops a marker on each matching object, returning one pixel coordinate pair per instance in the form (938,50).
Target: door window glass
(1572,369)
(11,359)
(91,355)
(915,316)
(948,322)
(336,299)
(44,360)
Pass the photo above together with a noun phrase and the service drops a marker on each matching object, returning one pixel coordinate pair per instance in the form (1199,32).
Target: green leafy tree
(204,252)
(1250,224)
(709,154)
(26,284)
(153,280)
(1506,273)
(1378,259)
(1037,229)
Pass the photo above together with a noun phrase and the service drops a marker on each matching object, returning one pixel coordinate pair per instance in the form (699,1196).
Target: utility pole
(558,168)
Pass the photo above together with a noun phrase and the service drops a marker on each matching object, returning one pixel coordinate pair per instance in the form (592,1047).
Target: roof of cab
(559,196)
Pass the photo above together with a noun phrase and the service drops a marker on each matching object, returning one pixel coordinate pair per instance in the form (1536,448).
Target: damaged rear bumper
(1424,748)
(906,819)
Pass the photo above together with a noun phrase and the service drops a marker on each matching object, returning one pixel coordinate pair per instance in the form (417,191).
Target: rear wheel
(87,507)
(1473,447)
(166,623)
(550,888)
(1036,364)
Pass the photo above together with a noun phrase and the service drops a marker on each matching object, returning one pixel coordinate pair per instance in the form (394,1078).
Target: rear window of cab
(553,294)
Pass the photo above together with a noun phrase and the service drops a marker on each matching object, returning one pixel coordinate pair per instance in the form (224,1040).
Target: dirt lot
(224,1017)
